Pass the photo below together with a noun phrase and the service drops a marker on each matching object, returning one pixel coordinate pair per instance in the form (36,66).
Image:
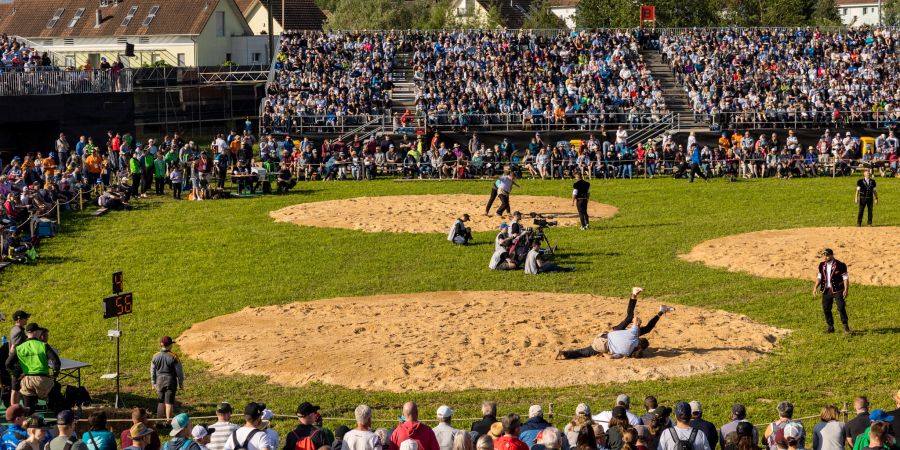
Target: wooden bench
(100,212)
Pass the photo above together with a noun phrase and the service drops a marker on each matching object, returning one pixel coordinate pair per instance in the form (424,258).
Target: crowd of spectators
(324,77)
(494,76)
(788,77)
(16,56)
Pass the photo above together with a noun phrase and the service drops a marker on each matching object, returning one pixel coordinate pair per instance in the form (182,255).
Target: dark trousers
(145,182)
(487,209)
(504,204)
(135,183)
(629,316)
(223,173)
(695,170)
(176,190)
(864,203)
(581,204)
(828,299)
(159,182)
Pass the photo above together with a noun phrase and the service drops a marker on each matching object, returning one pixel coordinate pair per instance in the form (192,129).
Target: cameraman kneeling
(535,265)
(459,233)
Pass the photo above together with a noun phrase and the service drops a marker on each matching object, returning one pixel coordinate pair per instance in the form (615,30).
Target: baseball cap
(619,412)
(744,429)
(139,430)
(682,411)
(878,415)
(306,408)
(623,400)
(201,431)
(738,411)
(503,225)
(267,415)
(696,407)
(793,430)
(166,341)
(16,411)
(535,410)
(254,410)
(662,411)
(444,412)
(582,410)
(65,417)
(32,327)
(224,408)
(36,421)
(179,423)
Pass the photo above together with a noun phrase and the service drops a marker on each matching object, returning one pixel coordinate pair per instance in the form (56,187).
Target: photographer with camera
(459,233)
(534,264)
(581,193)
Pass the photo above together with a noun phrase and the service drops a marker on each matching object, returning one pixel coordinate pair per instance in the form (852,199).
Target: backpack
(238,446)
(305,443)
(684,444)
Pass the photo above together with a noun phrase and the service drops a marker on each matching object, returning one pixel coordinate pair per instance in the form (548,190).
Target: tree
(891,12)
(825,13)
(686,13)
(369,15)
(429,15)
(607,14)
(541,17)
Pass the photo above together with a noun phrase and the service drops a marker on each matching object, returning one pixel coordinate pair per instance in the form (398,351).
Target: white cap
(696,408)
(444,412)
(199,432)
(623,400)
(267,414)
(535,411)
(793,430)
(583,410)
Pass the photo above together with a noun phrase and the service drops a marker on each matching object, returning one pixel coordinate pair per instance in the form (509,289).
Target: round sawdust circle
(451,341)
(428,213)
(870,253)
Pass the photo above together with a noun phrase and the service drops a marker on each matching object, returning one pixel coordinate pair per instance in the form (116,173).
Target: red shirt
(509,443)
(419,432)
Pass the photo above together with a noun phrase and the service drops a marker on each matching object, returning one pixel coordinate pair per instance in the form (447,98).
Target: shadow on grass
(639,225)
(886,330)
(672,352)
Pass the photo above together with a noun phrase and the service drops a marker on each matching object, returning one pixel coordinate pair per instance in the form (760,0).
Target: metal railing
(757,119)
(56,82)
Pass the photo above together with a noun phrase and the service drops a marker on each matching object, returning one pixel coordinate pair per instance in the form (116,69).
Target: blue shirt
(623,342)
(99,440)
(695,156)
(14,434)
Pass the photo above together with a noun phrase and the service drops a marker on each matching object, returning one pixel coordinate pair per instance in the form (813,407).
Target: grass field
(190,261)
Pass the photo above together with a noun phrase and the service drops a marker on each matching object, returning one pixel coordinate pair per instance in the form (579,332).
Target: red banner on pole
(648,13)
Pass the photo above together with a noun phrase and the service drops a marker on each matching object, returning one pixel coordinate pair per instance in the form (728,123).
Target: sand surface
(429,213)
(869,252)
(449,341)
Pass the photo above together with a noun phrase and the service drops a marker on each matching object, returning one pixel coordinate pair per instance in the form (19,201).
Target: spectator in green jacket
(146,171)
(134,168)
(159,172)
(31,362)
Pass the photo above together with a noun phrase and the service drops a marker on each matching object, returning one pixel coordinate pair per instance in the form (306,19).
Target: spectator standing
(139,416)
(618,427)
(139,436)
(31,362)
(738,415)
(533,426)
(581,194)
(16,416)
(223,428)
(166,376)
(683,431)
(742,438)
(581,419)
(201,435)
(266,427)
(361,437)
(306,416)
(791,436)
(411,428)
(66,439)
(512,425)
(444,432)
(17,333)
(785,411)
(708,429)
(857,425)
(489,417)
(463,441)
(622,400)
(181,434)
(828,434)
(249,436)
(98,436)
(37,434)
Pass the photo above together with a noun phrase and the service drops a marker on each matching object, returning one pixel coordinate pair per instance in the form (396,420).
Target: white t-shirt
(668,442)
(496,258)
(361,440)
(604,416)
(531,266)
(260,440)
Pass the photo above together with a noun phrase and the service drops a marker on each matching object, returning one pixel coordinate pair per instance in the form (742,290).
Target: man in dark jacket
(834,282)
(166,376)
(534,425)
(306,416)
(705,426)
(489,411)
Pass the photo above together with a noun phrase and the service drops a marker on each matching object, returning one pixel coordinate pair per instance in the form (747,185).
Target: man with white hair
(443,431)
(412,429)
(623,401)
(551,439)
(489,413)
(533,426)
(362,437)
